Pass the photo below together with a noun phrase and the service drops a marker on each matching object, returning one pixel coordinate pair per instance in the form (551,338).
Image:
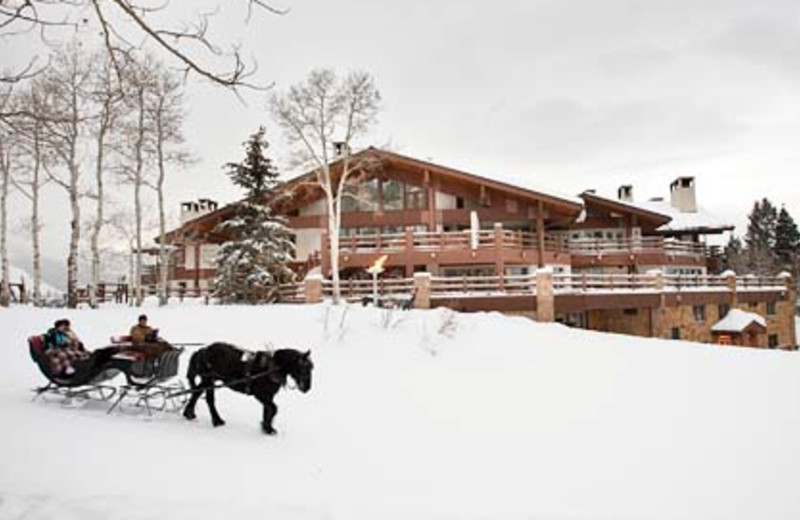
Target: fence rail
(526,285)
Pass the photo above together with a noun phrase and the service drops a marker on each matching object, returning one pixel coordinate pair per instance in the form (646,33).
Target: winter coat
(62,351)
(56,339)
(141,334)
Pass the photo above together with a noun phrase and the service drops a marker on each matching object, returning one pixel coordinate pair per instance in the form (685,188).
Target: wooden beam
(540,231)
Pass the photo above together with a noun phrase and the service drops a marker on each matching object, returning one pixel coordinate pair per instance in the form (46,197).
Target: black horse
(260,374)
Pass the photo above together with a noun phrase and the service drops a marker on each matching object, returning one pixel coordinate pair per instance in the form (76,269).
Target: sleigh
(88,381)
(149,380)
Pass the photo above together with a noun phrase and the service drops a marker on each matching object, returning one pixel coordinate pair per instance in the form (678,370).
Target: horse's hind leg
(216,420)
(270,410)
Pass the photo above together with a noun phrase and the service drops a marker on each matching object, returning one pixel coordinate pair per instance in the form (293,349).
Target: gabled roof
(738,320)
(618,206)
(570,208)
(564,204)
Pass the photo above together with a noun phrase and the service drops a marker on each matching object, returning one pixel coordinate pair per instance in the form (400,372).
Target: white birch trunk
(97,227)
(163,297)
(75,208)
(35,226)
(5,172)
(137,199)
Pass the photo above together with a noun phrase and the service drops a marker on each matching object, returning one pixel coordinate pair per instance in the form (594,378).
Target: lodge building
(482,241)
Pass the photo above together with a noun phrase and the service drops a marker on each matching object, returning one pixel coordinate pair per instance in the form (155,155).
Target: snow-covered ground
(424,415)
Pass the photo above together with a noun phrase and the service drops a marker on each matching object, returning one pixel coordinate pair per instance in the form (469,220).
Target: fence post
(312,288)
(545,299)
(422,290)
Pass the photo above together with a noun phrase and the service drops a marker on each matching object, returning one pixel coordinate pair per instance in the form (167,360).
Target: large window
(416,197)
(360,197)
(393,195)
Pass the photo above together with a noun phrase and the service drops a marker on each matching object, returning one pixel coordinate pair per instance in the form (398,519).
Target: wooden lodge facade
(460,228)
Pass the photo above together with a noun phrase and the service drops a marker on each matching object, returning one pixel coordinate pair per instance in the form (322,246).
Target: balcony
(503,247)
(647,251)
(499,247)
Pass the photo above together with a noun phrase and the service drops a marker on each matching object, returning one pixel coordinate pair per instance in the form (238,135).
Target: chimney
(682,195)
(192,210)
(340,148)
(625,193)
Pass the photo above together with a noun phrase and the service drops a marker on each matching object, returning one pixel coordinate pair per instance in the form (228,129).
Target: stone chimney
(682,195)
(192,210)
(625,193)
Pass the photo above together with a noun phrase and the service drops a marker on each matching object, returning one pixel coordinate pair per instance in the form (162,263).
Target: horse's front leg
(188,410)
(270,410)
(216,420)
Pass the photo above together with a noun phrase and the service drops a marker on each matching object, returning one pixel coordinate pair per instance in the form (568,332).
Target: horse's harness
(258,365)
(255,368)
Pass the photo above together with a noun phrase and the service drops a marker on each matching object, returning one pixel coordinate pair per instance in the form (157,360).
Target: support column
(499,257)
(422,290)
(545,298)
(312,288)
(540,232)
(730,281)
(657,314)
(791,299)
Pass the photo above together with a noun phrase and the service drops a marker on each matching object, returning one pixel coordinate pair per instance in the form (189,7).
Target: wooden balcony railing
(508,239)
(592,247)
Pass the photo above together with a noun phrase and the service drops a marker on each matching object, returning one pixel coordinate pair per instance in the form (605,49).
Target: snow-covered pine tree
(255,258)
(787,241)
(760,238)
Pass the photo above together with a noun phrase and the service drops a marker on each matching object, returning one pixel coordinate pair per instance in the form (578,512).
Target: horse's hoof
(219,423)
(269,430)
(189,415)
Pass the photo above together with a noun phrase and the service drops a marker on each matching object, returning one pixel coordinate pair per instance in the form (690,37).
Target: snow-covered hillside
(17,275)
(433,415)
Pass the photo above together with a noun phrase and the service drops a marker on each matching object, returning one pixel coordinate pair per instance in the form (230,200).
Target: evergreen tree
(735,256)
(255,258)
(787,241)
(760,238)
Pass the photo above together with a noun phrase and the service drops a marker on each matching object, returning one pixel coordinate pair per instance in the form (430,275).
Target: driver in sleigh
(144,339)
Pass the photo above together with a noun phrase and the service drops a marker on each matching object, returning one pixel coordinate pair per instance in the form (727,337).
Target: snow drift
(424,415)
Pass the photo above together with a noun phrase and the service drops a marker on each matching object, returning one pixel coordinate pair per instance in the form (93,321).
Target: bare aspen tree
(66,81)
(31,177)
(321,118)
(187,39)
(5,183)
(106,93)
(166,117)
(139,81)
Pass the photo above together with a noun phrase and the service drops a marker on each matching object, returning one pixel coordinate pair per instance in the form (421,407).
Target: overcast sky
(565,94)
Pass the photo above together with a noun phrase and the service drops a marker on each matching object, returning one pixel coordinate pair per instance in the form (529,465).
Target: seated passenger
(145,339)
(63,348)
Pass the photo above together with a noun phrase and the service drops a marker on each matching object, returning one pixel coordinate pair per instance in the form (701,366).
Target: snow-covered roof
(737,320)
(698,220)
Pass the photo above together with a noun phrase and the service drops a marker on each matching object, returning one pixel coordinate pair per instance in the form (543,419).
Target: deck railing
(357,289)
(593,247)
(526,285)
(509,239)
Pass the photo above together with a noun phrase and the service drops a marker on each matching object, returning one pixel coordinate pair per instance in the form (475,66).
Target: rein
(222,385)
